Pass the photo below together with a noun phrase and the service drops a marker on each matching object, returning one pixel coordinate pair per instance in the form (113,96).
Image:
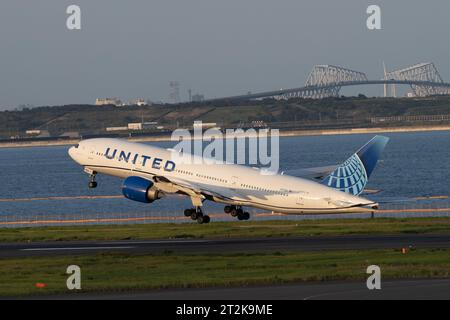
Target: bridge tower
(174,95)
(426,72)
(387,86)
(324,81)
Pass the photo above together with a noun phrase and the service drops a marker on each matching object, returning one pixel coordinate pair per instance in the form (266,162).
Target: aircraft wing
(194,190)
(177,186)
(316,173)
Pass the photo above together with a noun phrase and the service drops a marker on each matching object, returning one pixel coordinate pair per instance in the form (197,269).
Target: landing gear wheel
(92,183)
(195,215)
(236,212)
(244,216)
(228,209)
(203,219)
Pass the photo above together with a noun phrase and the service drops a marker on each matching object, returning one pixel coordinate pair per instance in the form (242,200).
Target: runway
(399,289)
(10,250)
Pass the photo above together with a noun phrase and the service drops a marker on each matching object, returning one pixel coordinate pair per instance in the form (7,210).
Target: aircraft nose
(73,153)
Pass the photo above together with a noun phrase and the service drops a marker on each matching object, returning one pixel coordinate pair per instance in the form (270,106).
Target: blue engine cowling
(138,189)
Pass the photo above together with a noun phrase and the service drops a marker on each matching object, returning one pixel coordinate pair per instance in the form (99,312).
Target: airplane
(150,173)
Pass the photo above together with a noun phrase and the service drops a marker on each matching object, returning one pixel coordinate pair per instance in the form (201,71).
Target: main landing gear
(236,211)
(197,214)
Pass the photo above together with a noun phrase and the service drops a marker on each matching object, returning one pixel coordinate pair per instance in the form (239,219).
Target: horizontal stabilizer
(311,173)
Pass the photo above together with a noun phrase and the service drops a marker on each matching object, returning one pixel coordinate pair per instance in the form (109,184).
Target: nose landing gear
(92,183)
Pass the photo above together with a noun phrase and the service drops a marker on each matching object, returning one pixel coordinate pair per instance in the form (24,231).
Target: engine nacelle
(140,189)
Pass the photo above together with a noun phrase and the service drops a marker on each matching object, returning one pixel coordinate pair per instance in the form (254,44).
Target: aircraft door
(234,182)
(300,199)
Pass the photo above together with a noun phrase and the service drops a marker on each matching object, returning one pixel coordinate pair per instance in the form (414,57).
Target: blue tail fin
(352,176)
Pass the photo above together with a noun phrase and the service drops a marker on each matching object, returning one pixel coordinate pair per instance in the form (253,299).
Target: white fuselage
(224,183)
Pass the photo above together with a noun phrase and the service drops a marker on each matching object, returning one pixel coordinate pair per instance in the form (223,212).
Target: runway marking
(76,248)
(321,295)
(431,198)
(159,242)
(391,285)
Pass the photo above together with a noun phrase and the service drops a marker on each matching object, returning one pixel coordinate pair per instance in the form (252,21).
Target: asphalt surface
(436,289)
(9,250)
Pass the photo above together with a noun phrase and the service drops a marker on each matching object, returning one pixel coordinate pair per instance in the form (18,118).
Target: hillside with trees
(90,119)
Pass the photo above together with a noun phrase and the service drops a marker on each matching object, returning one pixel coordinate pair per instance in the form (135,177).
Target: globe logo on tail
(350,177)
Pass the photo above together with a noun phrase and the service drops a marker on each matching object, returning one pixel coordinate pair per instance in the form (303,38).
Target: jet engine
(140,189)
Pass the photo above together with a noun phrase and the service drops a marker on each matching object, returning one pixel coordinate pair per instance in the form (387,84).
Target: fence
(64,213)
(418,118)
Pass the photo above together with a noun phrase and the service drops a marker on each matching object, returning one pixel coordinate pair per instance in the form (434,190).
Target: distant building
(198,97)
(44,134)
(108,101)
(258,124)
(204,125)
(38,133)
(33,132)
(71,134)
(142,125)
(109,129)
(140,102)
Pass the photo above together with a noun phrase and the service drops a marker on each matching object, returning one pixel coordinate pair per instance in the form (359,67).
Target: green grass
(121,272)
(247,229)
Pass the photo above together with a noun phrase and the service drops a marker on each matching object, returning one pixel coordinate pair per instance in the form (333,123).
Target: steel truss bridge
(326,81)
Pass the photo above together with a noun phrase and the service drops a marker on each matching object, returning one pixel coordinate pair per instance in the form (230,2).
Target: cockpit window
(76,146)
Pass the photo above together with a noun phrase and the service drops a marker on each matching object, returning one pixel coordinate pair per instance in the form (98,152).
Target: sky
(132,49)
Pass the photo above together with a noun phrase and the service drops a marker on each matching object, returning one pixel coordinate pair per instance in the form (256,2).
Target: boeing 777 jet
(150,173)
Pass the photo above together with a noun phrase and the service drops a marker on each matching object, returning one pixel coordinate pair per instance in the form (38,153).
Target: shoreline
(288,133)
